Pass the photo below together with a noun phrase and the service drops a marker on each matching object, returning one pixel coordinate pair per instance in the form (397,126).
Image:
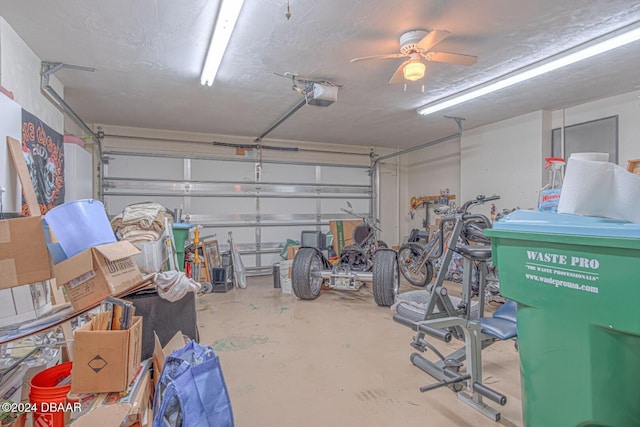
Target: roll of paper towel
(600,188)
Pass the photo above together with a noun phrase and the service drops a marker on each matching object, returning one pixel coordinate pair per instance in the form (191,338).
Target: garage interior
(319,111)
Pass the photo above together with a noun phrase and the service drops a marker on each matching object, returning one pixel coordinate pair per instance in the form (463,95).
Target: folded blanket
(134,234)
(143,214)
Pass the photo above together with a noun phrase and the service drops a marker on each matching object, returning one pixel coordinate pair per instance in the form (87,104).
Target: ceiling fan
(416,46)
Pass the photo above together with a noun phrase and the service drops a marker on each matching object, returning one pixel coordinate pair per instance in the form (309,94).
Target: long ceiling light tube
(225,23)
(504,81)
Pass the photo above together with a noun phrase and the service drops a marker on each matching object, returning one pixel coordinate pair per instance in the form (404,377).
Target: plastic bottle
(550,193)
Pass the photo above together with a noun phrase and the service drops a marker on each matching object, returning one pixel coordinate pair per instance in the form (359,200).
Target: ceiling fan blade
(452,58)
(391,55)
(398,76)
(433,38)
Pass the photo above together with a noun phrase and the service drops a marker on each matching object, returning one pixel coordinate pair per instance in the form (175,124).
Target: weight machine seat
(413,305)
(503,324)
(475,252)
(507,311)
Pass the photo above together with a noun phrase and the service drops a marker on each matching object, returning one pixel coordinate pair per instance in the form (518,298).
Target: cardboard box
(115,409)
(286,270)
(160,354)
(105,361)
(291,251)
(342,232)
(23,253)
(98,272)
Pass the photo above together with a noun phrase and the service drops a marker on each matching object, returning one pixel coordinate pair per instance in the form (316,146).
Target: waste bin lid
(182,226)
(555,223)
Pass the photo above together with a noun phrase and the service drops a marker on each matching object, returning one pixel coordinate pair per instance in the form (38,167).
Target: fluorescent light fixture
(226,21)
(503,82)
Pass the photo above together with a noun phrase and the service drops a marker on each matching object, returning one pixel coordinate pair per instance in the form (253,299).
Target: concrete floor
(339,360)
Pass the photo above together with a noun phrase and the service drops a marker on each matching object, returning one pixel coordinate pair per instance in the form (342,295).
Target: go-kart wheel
(386,277)
(305,277)
(409,257)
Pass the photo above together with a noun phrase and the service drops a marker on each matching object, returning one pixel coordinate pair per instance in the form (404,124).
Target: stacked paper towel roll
(594,187)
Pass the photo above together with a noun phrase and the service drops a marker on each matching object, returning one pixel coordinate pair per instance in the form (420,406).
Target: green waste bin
(576,283)
(180,236)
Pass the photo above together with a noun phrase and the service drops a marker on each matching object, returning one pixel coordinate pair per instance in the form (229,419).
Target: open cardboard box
(98,272)
(23,252)
(160,353)
(105,360)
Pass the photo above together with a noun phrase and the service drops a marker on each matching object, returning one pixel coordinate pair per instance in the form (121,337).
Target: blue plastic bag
(191,391)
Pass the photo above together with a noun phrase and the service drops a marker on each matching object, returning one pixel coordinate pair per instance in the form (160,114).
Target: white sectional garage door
(262,204)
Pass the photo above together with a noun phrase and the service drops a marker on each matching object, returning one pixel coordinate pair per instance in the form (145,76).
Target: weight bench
(503,324)
(478,334)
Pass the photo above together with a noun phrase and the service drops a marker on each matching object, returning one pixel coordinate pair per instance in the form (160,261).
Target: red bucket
(48,397)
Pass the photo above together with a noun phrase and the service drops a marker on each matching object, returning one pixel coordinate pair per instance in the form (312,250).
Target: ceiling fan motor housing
(409,41)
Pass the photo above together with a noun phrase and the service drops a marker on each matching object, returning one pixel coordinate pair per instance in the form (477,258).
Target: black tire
(386,277)
(382,244)
(409,255)
(306,285)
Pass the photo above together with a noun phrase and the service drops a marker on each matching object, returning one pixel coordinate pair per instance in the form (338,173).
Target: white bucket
(79,225)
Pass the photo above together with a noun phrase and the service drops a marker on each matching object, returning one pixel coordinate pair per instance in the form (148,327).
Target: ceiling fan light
(414,71)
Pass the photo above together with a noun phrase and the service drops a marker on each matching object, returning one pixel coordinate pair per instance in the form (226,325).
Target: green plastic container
(575,280)
(180,236)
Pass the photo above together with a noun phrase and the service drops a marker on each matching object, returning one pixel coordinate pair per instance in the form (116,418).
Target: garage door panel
(222,170)
(222,206)
(287,206)
(288,173)
(145,167)
(360,206)
(344,175)
(222,195)
(116,204)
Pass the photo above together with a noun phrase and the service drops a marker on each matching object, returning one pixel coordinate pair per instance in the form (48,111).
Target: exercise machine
(444,317)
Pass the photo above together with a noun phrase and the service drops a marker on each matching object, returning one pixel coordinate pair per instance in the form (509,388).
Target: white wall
(626,107)
(20,74)
(426,172)
(505,158)
(78,173)
(390,197)
(10,125)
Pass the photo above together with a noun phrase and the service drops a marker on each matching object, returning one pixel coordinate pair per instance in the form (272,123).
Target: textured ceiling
(148,55)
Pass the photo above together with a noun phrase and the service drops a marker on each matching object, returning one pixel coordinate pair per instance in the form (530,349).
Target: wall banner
(43,151)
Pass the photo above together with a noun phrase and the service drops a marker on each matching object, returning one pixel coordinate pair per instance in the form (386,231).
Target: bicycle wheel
(410,256)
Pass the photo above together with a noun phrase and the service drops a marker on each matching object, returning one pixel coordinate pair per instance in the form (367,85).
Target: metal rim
(396,278)
(315,279)
(409,266)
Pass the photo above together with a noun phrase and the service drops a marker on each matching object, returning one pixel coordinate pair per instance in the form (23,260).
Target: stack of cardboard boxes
(104,361)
